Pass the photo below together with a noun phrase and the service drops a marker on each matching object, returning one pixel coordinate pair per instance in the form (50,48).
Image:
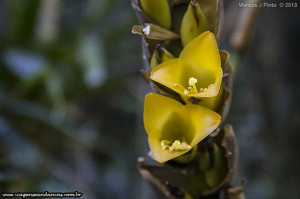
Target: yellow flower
(196,73)
(173,128)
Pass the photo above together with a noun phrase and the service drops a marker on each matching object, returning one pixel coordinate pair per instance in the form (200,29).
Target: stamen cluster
(176,145)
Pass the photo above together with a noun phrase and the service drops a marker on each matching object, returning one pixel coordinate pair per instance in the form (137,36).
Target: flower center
(192,89)
(176,145)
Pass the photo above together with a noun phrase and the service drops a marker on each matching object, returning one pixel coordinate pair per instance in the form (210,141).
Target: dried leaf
(145,75)
(151,31)
(161,190)
(236,192)
(214,13)
(227,83)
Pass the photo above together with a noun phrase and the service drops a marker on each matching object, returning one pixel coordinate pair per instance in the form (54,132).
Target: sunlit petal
(174,128)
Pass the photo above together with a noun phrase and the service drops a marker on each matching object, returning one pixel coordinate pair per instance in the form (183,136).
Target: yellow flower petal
(157,110)
(171,74)
(212,103)
(204,121)
(161,155)
(203,53)
(200,60)
(168,121)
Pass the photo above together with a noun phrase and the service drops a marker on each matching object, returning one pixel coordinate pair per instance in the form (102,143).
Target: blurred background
(71,99)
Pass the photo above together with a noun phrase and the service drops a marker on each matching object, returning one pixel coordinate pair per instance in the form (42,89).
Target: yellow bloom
(197,72)
(212,103)
(173,128)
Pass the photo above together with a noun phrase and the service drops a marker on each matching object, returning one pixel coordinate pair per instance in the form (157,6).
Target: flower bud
(158,11)
(159,56)
(193,23)
(213,103)
(216,174)
(204,160)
